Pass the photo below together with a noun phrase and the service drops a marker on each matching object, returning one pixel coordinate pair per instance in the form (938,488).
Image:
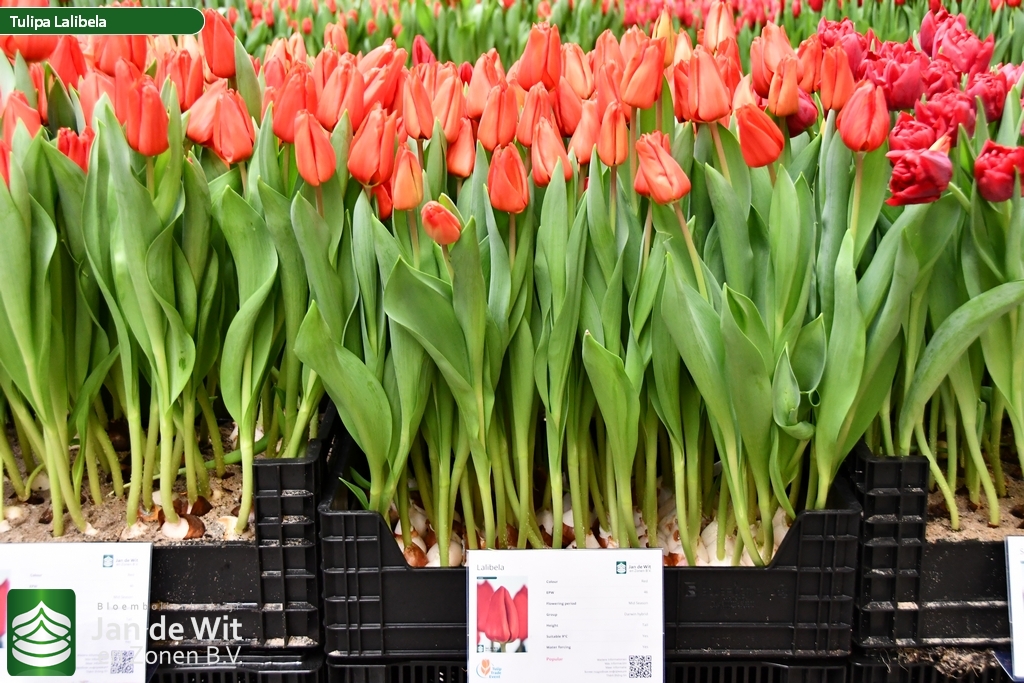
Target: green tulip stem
(307,410)
(8,461)
(30,438)
(595,488)
(723,515)
(103,440)
(556,442)
(151,176)
(576,493)
(858,183)
(245,179)
(213,428)
(721,151)
(951,425)
(772,173)
(247,449)
(149,459)
(448,262)
(168,465)
(947,492)
(998,412)
(320,200)
(88,452)
(646,253)
(511,241)
(885,418)
(403,508)
(611,493)
(691,248)
(468,515)
(422,476)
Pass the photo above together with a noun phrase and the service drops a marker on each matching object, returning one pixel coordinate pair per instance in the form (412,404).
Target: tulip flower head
(546,152)
(18,110)
(233,133)
(996,169)
(68,61)
(500,118)
(507,186)
(920,176)
(613,139)
(440,224)
(502,618)
(761,140)
(76,147)
(864,122)
(372,154)
(314,154)
(542,59)
(218,44)
(407,182)
(663,180)
(461,156)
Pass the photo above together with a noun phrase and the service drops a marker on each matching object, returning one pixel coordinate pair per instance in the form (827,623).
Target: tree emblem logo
(41,632)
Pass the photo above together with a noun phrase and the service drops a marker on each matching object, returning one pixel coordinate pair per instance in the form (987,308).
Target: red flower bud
(314,154)
(440,224)
(76,147)
(218,44)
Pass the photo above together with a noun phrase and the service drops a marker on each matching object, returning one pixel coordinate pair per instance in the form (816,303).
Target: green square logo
(41,632)
(620,567)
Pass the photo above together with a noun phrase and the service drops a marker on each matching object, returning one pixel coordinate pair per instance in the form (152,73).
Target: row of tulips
(679,290)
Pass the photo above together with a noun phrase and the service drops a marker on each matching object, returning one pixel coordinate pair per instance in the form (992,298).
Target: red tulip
(335,37)
(372,154)
(708,96)
(909,133)
(33,48)
(607,51)
(836,79)
(76,147)
(314,154)
(484,591)
(783,94)
(576,70)
(18,110)
(417,110)
(613,140)
(449,107)
(201,115)
(506,181)
(443,227)
(567,107)
(948,111)
(461,155)
(298,92)
(546,152)
(899,76)
(606,84)
(664,179)
(996,169)
(719,26)
(5,162)
(342,91)
(421,52)
(864,122)
(991,88)
(919,176)
(502,618)
(68,62)
(810,55)
(500,117)
(522,603)
(587,132)
(218,44)
(407,182)
(233,132)
(805,117)
(186,74)
(542,59)
(107,51)
(486,74)
(537,107)
(641,80)
(761,141)
(465,73)
(146,124)
(94,85)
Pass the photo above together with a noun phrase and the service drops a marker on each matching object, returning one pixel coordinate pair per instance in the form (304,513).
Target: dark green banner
(100,20)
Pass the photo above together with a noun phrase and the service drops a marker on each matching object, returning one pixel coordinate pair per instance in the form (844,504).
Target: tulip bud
(107,51)
(909,133)
(461,155)
(576,70)
(585,137)
(407,181)
(440,224)
(664,30)
(864,122)
(33,48)
(918,176)
(5,162)
(499,119)
(486,74)
(185,73)
(298,92)
(371,157)
(76,147)
(417,110)
(507,186)
(542,59)
(314,154)
(567,107)
(761,141)
(613,142)
(783,96)
(421,52)
(68,62)
(664,179)
(335,37)
(641,81)
(537,107)
(709,98)
(94,85)
(202,114)
(719,25)
(343,91)
(233,132)
(449,107)
(836,79)
(218,44)
(546,152)
(996,170)
(146,125)
(809,55)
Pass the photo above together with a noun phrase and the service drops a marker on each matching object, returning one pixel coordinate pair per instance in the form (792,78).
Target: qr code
(122,661)
(640,666)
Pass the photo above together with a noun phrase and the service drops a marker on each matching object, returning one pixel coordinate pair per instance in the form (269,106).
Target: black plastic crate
(340,670)
(375,605)
(887,668)
(249,667)
(916,593)
(272,586)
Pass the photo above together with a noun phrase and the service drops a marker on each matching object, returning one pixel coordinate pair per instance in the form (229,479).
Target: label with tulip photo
(582,615)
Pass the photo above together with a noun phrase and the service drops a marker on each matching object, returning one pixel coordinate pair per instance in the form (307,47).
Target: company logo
(108,561)
(484,670)
(620,567)
(41,632)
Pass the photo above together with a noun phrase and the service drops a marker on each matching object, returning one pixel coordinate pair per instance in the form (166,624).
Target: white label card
(572,615)
(74,612)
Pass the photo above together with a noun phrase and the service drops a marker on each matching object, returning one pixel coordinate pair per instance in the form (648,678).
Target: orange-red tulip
(719,26)
(185,72)
(202,114)
(407,182)
(5,162)
(298,92)
(537,107)
(761,141)
(542,59)
(864,121)
(372,154)
(417,110)
(613,140)
(836,78)
(440,224)
(576,70)
(664,179)
(342,91)
(76,147)
(335,37)
(107,51)
(314,154)
(606,51)
(810,54)
(218,44)
(33,48)
(18,110)
(449,107)
(461,155)
(233,133)
(507,186)
(784,96)
(684,48)
(567,107)
(486,74)
(94,85)
(708,97)
(607,79)
(632,41)
(587,132)
(68,62)
(641,80)
(500,118)
(546,152)
(146,124)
